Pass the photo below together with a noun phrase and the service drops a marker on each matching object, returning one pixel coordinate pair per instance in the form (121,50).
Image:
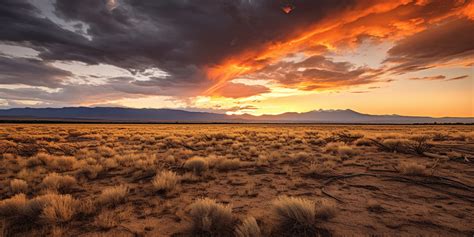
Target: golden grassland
(236,180)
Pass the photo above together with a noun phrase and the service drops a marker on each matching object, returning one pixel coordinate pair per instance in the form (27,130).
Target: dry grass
(210,218)
(14,206)
(113,196)
(59,209)
(56,182)
(239,165)
(165,181)
(412,168)
(197,165)
(106,220)
(18,186)
(294,215)
(248,228)
(228,164)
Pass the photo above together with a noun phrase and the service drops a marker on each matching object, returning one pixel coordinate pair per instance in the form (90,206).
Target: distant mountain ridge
(118,114)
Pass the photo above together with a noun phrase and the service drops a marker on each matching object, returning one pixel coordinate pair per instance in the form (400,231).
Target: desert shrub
(106,220)
(170,159)
(364,142)
(440,136)
(113,196)
(110,163)
(165,181)
(198,165)
(324,169)
(54,181)
(87,207)
(63,163)
(228,164)
(396,145)
(412,168)
(214,160)
(210,218)
(248,228)
(294,215)
(299,156)
(14,206)
(91,171)
(346,151)
(262,160)
(59,208)
(50,208)
(105,151)
(333,147)
(325,209)
(33,162)
(18,186)
(420,144)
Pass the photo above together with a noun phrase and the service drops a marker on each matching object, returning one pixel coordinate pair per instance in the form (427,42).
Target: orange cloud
(383,20)
(239,90)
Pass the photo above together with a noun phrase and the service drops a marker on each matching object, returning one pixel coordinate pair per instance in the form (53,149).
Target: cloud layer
(203,45)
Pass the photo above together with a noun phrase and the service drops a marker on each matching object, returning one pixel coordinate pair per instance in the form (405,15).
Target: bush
(50,208)
(364,142)
(14,206)
(396,145)
(210,218)
(228,164)
(294,215)
(165,181)
(54,181)
(346,151)
(248,228)
(59,208)
(412,168)
(325,210)
(63,163)
(113,196)
(196,164)
(18,186)
(91,171)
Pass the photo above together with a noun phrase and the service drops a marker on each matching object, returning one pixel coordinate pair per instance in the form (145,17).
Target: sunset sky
(410,57)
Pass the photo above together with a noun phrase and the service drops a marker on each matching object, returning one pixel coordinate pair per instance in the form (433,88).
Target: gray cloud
(30,72)
(441,44)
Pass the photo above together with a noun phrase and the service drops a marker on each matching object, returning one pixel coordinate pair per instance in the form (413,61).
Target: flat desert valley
(236,180)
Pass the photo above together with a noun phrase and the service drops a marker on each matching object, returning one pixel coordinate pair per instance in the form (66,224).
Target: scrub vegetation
(236,180)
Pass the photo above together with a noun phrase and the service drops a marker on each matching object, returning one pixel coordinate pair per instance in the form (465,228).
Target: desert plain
(236,180)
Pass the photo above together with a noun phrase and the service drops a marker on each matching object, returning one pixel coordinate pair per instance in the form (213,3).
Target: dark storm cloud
(30,72)
(177,36)
(427,49)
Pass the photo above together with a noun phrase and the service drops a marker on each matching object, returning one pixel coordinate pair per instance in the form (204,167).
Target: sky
(408,57)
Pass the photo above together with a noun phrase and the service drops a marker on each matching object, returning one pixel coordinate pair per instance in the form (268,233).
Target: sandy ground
(365,183)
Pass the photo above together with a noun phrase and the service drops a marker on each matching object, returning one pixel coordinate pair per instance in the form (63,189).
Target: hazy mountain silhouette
(117,114)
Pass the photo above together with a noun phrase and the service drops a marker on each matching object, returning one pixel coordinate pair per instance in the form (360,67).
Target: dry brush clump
(294,216)
(248,228)
(57,182)
(298,216)
(165,181)
(412,168)
(113,196)
(210,218)
(198,165)
(49,208)
(18,186)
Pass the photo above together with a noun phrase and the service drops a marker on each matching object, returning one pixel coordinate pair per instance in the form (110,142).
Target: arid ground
(242,180)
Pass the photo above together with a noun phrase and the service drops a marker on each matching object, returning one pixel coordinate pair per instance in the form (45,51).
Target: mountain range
(118,114)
